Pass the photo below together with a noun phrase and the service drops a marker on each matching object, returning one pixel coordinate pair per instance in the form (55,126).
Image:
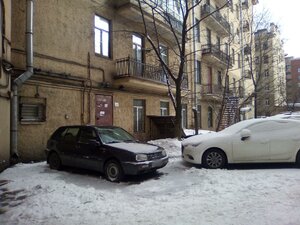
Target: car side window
(70,134)
(87,135)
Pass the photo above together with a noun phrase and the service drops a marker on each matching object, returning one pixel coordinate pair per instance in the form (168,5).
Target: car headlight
(141,157)
(196,144)
(163,153)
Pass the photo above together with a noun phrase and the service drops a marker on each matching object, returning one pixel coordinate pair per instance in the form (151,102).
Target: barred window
(32,109)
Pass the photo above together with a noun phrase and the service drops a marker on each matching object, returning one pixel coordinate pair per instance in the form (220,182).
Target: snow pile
(172,146)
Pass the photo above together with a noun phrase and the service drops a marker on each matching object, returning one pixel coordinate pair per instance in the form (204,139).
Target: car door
(67,146)
(255,148)
(89,149)
(284,141)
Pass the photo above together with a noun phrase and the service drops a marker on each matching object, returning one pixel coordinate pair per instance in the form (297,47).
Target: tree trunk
(178,110)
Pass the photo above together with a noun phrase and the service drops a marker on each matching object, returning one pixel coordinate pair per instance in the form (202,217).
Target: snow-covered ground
(178,194)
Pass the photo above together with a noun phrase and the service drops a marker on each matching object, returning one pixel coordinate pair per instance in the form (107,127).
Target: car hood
(135,147)
(199,138)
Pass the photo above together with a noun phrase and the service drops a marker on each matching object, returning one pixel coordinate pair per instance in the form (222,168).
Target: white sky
(286,15)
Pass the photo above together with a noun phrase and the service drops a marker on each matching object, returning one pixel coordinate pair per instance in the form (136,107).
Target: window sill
(103,57)
(32,122)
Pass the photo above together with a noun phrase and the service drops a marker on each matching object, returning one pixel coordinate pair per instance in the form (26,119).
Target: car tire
(214,159)
(298,159)
(113,171)
(54,161)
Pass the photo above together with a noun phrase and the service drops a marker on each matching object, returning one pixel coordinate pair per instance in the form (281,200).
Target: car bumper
(191,155)
(133,168)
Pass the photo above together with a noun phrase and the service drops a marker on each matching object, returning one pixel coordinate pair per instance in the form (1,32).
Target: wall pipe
(21,79)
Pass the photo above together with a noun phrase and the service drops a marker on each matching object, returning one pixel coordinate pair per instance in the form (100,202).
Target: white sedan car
(250,141)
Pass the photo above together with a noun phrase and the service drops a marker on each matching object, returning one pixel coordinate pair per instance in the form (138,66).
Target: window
(184,116)
(32,109)
(267,102)
(209,117)
(138,115)
(199,116)
(164,53)
(266,59)
(218,43)
(137,54)
(226,49)
(70,134)
(164,108)
(164,56)
(208,36)
(219,79)
(137,47)
(102,36)
(256,59)
(266,73)
(233,56)
(198,72)
(87,134)
(298,70)
(265,45)
(197,30)
(239,60)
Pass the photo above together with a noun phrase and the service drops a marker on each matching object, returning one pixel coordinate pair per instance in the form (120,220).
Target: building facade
(293,83)
(271,74)
(221,78)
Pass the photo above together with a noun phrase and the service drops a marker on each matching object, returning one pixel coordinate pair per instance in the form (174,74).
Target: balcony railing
(207,9)
(128,67)
(215,51)
(211,89)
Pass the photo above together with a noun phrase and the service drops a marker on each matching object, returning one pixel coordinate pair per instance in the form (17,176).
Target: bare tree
(176,17)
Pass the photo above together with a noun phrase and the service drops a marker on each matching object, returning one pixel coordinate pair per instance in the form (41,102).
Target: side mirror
(245,134)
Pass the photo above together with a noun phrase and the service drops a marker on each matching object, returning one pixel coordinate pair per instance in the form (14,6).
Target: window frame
(101,31)
(139,125)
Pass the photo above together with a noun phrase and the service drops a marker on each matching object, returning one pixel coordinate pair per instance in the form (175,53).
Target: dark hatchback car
(108,149)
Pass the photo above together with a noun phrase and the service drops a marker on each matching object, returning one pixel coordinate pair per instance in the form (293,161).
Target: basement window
(32,109)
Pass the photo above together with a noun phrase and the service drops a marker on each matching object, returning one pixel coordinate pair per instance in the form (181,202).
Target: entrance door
(103,110)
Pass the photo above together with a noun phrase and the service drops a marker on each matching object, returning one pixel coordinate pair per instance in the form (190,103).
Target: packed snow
(177,194)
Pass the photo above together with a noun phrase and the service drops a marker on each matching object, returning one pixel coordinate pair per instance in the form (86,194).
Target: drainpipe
(21,79)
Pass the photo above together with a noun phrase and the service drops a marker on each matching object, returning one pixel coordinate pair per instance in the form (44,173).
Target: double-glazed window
(139,115)
(102,36)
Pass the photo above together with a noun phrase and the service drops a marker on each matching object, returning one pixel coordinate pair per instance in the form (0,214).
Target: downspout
(195,66)
(17,83)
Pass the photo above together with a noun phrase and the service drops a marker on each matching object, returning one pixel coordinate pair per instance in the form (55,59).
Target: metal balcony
(132,72)
(214,55)
(130,10)
(216,20)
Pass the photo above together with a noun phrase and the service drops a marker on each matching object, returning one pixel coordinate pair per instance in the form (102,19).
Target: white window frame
(102,36)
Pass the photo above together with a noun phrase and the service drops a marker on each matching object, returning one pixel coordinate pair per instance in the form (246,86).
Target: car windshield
(110,135)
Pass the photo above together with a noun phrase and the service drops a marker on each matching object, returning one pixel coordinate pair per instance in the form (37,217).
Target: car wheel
(214,159)
(113,171)
(54,161)
(298,159)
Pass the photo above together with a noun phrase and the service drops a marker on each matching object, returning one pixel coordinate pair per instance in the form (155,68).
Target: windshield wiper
(129,140)
(112,142)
